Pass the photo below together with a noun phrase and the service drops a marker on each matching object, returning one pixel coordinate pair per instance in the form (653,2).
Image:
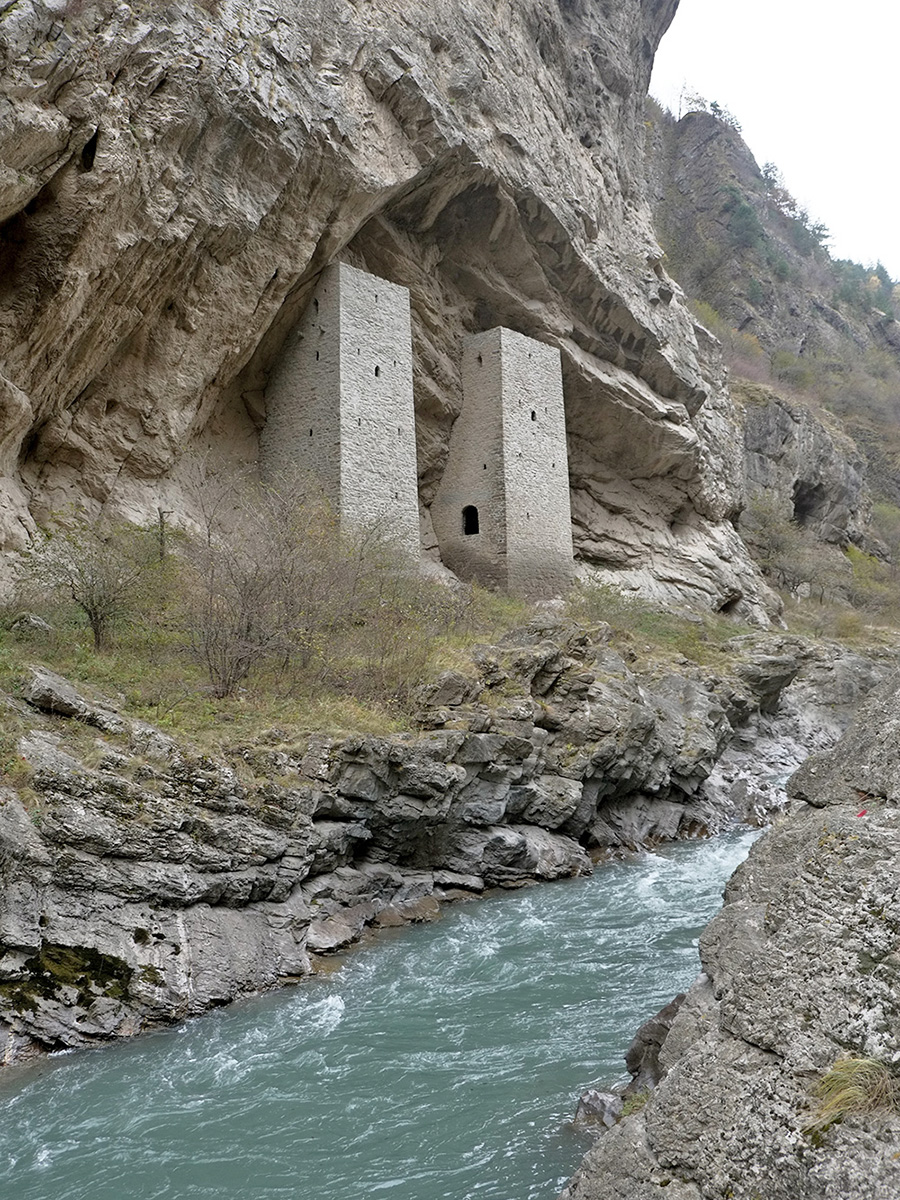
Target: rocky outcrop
(172,185)
(739,242)
(817,328)
(806,696)
(144,882)
(799,970)
(804,466)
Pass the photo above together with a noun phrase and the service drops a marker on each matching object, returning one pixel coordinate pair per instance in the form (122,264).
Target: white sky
(815,85)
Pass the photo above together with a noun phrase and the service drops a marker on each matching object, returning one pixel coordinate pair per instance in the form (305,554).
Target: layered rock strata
(173,181)
(799,970)
(143,882)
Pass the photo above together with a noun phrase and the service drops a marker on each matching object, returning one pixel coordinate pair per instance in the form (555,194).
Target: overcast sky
(815,85)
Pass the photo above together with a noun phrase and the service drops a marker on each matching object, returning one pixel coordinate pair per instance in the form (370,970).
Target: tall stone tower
(340,405)
(502,513)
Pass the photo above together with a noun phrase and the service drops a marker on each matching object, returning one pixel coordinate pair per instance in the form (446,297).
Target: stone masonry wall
(474,473)
(511,466)
(539,554)
(301,438)
(340,404)
(378,434)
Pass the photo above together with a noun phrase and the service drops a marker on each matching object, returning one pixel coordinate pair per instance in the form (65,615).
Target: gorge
(180,186)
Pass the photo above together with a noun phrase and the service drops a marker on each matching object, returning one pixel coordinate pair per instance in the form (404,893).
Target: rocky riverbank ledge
(742,1099)
(144,883)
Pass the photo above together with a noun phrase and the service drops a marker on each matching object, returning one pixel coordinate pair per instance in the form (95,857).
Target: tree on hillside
(99,565)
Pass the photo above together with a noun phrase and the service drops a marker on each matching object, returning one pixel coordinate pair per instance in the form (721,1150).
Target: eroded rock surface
(173,181)
(800,968)
(804,466)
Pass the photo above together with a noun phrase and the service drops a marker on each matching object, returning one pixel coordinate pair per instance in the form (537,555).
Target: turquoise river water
(442,1062)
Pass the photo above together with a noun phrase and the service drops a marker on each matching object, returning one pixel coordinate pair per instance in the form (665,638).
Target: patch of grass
(361,679)
(839,623)
(480,614)
(700,638)
(15,771)
(854,1086)
(635,1103)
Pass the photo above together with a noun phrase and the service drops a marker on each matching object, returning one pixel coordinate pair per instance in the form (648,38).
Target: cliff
(805,466)
(174,179)
(799,973)
(815,328)
(739,241)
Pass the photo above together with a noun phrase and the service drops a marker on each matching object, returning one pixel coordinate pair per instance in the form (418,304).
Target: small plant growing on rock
(854,1085)
(635,1103)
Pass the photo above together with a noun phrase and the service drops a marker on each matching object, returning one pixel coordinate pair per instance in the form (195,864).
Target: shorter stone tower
(340,405)
(502,513)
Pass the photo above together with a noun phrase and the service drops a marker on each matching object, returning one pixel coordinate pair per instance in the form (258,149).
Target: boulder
(505,855)
(598,1109)
(51,693)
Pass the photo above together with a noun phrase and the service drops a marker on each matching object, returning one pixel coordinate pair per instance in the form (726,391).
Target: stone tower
(340,405)
(502,513)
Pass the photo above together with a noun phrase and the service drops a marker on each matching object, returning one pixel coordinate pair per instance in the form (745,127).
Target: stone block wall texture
(508,459)
(340,405)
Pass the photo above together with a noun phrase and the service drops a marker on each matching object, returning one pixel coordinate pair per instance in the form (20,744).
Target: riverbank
(145,883)
(441,1063)
(798,992)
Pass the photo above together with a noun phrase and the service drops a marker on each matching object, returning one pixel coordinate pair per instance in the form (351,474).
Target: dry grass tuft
(855,1085)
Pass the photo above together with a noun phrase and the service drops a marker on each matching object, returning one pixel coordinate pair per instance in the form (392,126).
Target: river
(441,1062)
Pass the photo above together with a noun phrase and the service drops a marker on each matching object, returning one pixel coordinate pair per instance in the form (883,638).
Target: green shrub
(872,588)
(756,293)
(848,625)
(744,228)
(789,368)
(635,1103)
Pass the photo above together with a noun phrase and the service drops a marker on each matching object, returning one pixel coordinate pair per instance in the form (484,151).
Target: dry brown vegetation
(854,1086)
(266,613)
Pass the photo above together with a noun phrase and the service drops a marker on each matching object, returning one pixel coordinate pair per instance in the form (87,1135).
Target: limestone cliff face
(805,465)
(174,178)
(736,240)
(762,269)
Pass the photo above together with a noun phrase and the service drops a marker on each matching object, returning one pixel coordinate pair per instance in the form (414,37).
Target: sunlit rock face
(174,179)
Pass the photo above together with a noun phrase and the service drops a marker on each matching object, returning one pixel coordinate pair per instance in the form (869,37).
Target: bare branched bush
(776,542)
(249,575)
(273,584)
(103,566)
(267,596)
